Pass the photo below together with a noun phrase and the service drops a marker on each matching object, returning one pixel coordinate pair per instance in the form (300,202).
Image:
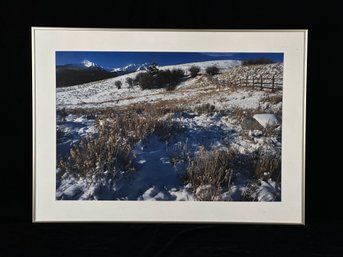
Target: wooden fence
(273,83)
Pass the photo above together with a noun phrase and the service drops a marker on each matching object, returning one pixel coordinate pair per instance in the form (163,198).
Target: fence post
(261,83)
(240,82)
(253,82)
(246,82)
(273,82)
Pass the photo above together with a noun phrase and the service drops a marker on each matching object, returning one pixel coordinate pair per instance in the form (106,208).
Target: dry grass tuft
(110,150)
(264,165)
(93,156)
(239,114)
(165,129)
(209,172)
(204,109)
(273,99)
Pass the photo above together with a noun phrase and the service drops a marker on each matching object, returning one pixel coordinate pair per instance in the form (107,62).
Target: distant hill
(87,71)
(75,74)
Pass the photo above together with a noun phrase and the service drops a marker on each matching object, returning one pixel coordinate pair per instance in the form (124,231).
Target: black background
(321,236)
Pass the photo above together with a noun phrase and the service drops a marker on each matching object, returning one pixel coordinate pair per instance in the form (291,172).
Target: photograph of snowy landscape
(168,126)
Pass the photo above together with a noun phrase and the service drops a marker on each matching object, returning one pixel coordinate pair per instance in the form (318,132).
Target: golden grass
(213,169)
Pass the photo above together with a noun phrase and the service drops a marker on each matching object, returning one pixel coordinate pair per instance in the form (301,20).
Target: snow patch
(267,120)
(88,63)
(268,191)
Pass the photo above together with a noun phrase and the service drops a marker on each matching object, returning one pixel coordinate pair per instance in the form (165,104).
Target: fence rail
(273,83)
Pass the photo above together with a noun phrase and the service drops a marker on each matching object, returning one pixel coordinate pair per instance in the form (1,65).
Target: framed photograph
(169,125)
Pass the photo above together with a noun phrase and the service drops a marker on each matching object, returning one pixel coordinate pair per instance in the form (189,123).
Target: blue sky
(120,59)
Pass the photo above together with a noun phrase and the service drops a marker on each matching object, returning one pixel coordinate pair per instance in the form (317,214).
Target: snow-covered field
(206,117)
(105,94)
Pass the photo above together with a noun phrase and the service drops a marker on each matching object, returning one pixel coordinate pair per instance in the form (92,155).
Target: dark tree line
(155,78)
(67,76)
(257,61)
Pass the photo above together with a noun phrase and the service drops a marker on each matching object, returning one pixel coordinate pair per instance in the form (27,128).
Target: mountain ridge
(88,71)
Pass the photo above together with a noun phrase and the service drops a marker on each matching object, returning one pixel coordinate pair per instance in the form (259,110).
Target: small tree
(162,79)
(118,84)
(137,78)
(212,70)
(145,80)
(152,69)
(194,70)
(177,75)
(129,81)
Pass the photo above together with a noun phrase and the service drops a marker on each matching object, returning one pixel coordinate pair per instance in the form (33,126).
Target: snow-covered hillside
(221,64)
(101,94)
(165,137)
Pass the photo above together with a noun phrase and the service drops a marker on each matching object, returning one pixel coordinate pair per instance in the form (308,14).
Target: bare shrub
(245,117)
(209,172)
(118,131)
(157,109)
(212,70)
(159,79)
(145,80)
(130,82)
(110,149)
(238,114)
(165,129)
(93,156)
(250,193)
(194,70)
(118,84)
(264,165)
(169,78)
(82,111)
(179,153)
(205,108)
(271,131)
(171,87)
(273,99)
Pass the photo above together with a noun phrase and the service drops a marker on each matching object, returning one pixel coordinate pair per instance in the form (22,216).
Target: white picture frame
(46,41)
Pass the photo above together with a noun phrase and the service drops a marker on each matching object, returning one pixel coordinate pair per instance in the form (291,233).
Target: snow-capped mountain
(131,68)
(88,64)
(86,71)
